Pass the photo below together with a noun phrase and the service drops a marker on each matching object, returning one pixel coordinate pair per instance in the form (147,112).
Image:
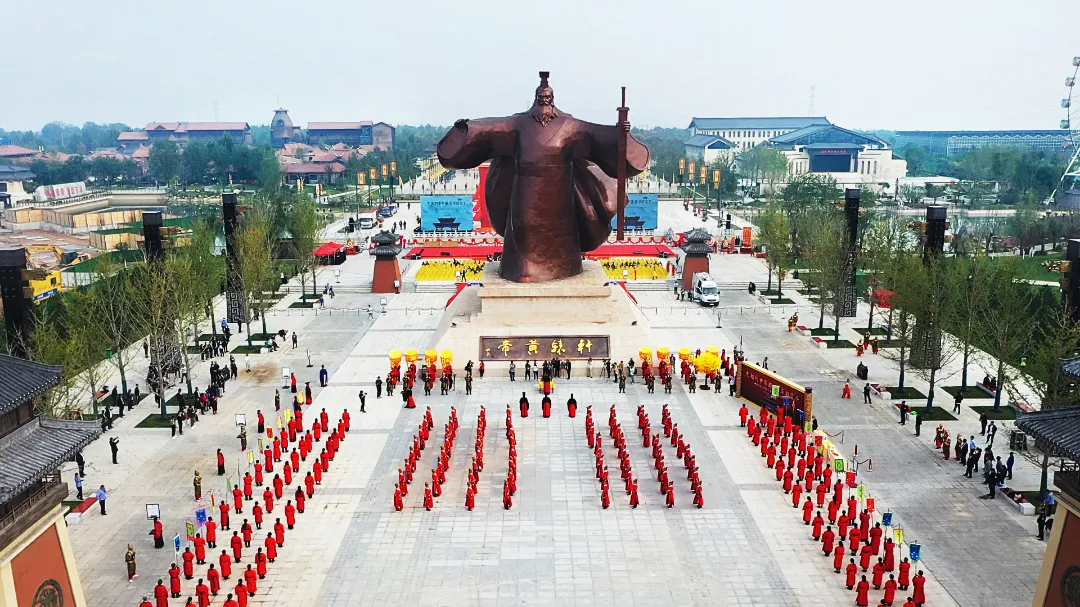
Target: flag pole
(624,128)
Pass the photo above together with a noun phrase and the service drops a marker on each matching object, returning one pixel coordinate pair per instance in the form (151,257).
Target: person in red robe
(223,508)
(890,590)
(279,532)
(699,501)
(889,558)
(250,580)
(246,533)
(213,576)
(523,405)
(905,574)
(605,498)
(241,591)
(864,557)
(309,484)
(919,592)
(545,406)
(225,564)
(818,523)
(161,594)
(571,406)
(237,546)
(428,501)
(268,497)
(807,511)
(286,473)
(200,549)
(862,593)
(398,504)
(852,570)
(879,574)
(671,496)
(838,556)
(271,547)
(290,514)
(202,594)
(279,488)
(146,602)
(230,602)
(796,493)
(260,564)
(508,500)
(470,499)
(257,512)
(189,563)
(634,501)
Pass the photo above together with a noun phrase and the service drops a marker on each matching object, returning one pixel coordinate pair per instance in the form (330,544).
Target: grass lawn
(1005,412)
(937,414)
(971,392)
(260,337)
(302,304)
(838,343)
(888,343)
(767,292)
(109,399)
(822,332)
(246,349)
(907,393)
(781,300)
(1031,267)
(153,421)
(873,331)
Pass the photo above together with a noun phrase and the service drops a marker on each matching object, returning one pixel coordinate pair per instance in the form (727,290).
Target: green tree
(774,234)
(164,162)
(46,343)
(917,158)
(305,225)
(254,259)
(1058,339)
(269,173)
(114,307)
(1006,320)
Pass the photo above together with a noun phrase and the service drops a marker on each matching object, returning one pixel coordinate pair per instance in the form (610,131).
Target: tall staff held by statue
(624,130)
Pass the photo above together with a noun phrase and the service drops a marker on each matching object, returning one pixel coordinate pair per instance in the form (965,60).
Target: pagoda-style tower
(387,277)
(697,256)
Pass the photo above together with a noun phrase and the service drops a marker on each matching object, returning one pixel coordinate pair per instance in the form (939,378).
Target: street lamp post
(393,176)
(693,186)
(384,171)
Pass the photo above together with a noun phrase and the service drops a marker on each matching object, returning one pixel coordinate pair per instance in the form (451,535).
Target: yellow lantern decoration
(395,359)
(684,353)
(411,356)
(663,353)
(446,356)
(645,354)
(713,350)
(431,356)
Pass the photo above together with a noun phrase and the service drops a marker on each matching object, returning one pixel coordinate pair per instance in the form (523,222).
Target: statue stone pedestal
(577,306)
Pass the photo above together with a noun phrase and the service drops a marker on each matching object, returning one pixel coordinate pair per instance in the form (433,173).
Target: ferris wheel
(1067,193)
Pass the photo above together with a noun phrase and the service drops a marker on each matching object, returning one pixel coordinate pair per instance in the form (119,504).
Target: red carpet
(617,249)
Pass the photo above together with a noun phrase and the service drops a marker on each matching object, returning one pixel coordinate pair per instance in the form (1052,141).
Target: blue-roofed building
(709,148)
(745,133)
(952,143)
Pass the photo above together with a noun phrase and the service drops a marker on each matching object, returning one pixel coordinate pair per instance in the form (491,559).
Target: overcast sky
(912,64)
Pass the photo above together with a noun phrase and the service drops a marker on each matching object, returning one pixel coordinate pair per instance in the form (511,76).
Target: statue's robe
(551,191)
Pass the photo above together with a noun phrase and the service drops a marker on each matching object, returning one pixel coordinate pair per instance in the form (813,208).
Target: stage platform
(606,251)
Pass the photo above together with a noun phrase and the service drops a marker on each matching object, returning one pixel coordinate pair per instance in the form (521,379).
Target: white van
(367,220)
(704,291)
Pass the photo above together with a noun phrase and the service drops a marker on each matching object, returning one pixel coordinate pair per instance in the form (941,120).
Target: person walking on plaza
(957,401)
(903,412)
(324,376)
(918,423)
(378,387)
(114,446)
(991,432)
(196,482)
(866,394)
(129,560)
(101,496)
(79,485)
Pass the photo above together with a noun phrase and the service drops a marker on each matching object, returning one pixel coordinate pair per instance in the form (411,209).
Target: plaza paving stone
(556,546)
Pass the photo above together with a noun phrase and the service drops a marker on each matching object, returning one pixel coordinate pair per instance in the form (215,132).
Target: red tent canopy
(328,249)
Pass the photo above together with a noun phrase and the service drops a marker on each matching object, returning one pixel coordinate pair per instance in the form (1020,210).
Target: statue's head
(543,109)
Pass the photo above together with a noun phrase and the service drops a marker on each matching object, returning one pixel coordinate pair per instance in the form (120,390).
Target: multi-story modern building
(950,143)
(810,144)
(745,133)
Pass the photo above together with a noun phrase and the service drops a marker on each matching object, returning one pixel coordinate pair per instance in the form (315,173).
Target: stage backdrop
(446,213)
(640,212)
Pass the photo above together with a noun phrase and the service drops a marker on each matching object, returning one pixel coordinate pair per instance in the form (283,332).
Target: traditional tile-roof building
(185,132)
(33,534)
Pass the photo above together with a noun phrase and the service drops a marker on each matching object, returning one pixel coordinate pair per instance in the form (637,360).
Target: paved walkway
(557,546)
